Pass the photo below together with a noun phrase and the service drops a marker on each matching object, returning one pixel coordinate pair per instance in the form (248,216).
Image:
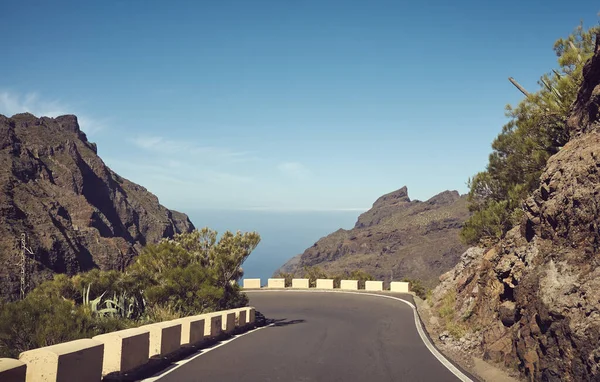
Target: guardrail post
(324,283)
(251,284)
(276,283)
(79,360)
(349,284)
(400,287)
(12,370)
(300,283)
(374,285)
(124,350)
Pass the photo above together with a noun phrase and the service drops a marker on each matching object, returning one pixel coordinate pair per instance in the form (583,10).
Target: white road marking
(439,356)
(178,364)
(443,360)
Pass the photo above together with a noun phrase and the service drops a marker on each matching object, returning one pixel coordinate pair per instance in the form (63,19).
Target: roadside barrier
(122,351)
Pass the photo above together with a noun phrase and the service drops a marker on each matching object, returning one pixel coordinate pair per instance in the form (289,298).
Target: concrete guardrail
(165,338)
(251,283)
(374,286)
(124,350)
(300,283)
(276,283)
(240,318)
(79,360)
(228,322)
(212,326)
(349,284)
(12,370)
(251,317)
(121,351)
(324,284)
(400,287)
(192,330)
(371,285)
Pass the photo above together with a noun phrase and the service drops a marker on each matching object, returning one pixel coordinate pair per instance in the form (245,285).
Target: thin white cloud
(162,145)
(294,170)
(12,103)
(178,172)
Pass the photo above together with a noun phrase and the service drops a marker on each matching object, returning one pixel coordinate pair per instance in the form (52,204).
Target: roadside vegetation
(536,131)
(447,312)
(192,273)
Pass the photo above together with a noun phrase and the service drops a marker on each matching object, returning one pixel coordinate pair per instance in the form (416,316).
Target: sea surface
(283,234)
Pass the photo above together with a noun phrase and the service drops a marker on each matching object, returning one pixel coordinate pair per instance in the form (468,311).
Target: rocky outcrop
(76,213)
(396,238)
(533,300)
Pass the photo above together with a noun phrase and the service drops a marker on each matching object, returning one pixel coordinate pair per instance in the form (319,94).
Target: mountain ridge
(77,214)
(396,238)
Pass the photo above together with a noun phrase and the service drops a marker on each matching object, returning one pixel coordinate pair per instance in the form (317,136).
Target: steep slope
(396,238)
(77,214)
(535,297)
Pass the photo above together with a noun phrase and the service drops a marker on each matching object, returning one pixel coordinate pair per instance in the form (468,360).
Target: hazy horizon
(283,234)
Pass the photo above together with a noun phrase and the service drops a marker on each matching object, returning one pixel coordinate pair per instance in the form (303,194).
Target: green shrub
(361,276)
(417,287)
(190,274)
(447,311)
(536,131)
(286,276)
(40,321)
(312,274)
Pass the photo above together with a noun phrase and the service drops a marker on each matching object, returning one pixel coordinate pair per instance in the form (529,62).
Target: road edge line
(428,344)
(182,362)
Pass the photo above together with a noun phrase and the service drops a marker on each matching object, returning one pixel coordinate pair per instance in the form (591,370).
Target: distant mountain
(77,213)
(396,238)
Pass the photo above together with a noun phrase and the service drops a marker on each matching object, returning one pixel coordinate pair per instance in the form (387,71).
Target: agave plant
(94,305)
(125,306)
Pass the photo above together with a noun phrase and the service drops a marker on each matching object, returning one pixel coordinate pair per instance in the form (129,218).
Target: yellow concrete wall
(251,316)
(121,351)
(228,323)
(374,285)
(241,320)
(251,283)
(349,284)
(124,350)
(192,329)
(300,283)
(212,325)
(79,360)
(165,338)
(325,283)
(276,283)
(12,370)
(399,286)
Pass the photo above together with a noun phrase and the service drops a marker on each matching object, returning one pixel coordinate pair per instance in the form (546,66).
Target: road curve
(321,337)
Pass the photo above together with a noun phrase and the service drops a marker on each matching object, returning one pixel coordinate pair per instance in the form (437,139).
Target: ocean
(283,234)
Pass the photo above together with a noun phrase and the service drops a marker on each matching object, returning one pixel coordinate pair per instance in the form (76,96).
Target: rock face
(76,213)
(396,238)
(535,297)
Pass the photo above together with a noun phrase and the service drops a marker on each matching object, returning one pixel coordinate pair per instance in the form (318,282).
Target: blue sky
(282,105)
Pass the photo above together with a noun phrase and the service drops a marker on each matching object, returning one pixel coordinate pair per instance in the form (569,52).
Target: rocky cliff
(396,238)
(76,213)
(532,302)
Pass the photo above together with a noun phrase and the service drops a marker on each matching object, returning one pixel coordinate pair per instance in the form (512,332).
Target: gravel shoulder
(480,368)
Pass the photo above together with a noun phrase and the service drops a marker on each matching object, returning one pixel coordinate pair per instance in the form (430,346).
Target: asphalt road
(321,337)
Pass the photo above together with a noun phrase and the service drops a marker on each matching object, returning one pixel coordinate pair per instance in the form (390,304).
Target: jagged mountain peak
(76,212)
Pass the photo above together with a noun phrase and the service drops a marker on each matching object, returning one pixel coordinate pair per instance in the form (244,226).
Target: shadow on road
(283,322)
(261,320)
